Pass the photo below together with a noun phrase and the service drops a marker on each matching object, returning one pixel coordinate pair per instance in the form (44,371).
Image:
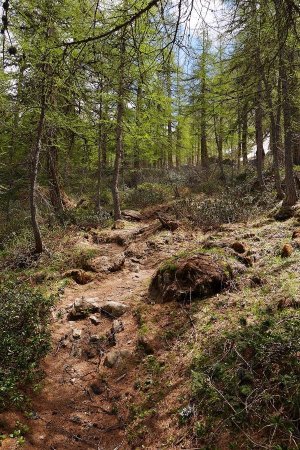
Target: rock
(91,353)
(111,359)
(78,275)
(118,225)
(98,387)
(114,309)
(117,326)
(246,260)
(95,320)
(239,247)
(286,251)
(296,234)
(132,215)
(296,243)
(256,280)
(94,338)
(285,303)
(136,250)
(82,307)
(168,224)
(116,358)
(39,277)
(76,333)
(106,263)
(200,275)
(146,345)
(284,213)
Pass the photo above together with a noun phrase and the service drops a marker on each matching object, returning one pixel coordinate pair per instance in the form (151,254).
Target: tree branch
(116,28)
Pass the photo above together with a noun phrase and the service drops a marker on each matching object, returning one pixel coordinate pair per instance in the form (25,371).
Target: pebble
(76,333)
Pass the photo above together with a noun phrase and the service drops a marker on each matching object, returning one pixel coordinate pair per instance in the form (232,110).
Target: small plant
(153,366)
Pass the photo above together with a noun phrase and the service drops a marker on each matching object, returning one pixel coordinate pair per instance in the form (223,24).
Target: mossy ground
(211,392)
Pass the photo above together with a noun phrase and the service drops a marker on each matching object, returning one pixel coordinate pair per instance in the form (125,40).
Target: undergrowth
(24,341)
(248,382)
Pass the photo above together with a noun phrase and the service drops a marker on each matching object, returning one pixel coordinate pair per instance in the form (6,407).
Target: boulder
(106,263)
(114,309)
(82,307)
(239,247)
(76,333)
(286,251)
(136,250)
(116,358)
(79,276)
(200,276)
(95,320)
(130,214)
(117,326)
(118,225)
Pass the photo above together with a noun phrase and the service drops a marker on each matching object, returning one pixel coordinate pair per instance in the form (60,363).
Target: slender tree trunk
(34,163)
(203,112)
(203,139)
(273,139)
(178,146)
(239,153)
(99,168)
(54,187)
(119,133)
(259,135)
(169,124)
(244,136)
(219,142)
(290,186)
(136,150)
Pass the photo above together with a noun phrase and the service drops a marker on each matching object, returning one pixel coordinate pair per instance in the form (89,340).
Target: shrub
(233,205)
(24,340)
(87,218)
(249,380)
(148,194)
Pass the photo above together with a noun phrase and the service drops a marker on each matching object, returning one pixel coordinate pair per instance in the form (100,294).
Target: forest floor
(136,403)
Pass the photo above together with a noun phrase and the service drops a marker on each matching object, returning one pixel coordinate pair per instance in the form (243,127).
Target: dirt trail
(83,404)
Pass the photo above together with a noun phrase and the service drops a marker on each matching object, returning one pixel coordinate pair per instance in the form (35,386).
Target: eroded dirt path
(83,404)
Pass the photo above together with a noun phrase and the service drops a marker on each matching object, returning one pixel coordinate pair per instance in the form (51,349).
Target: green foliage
(148,194)
(24,340)
(235,204)
(250,378)
(87,218)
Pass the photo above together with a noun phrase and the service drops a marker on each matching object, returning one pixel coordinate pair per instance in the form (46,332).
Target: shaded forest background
(99,100)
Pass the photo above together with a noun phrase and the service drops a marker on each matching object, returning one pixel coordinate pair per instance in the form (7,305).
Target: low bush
(147,194)
(87,218)
(24,340)
(248,381)
(233,205)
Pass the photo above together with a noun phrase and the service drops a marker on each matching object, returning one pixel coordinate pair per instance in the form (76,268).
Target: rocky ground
(118,376)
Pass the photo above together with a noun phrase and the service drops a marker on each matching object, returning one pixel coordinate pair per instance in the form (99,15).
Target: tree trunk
(203,139)
(99,168)
(273,139)
(259,135)
(54,188)
(244,119)
(290,186)
(35,157)
(119,133)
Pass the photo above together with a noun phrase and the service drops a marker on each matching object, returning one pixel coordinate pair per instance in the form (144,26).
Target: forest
(150,224)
